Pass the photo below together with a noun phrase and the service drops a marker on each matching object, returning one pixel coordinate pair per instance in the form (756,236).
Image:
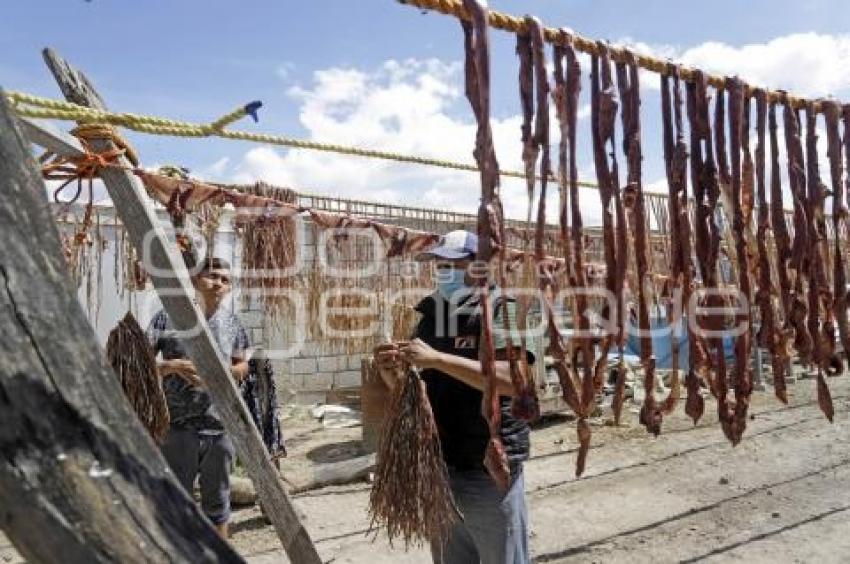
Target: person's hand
(388,362)
(420,354)
(183,368)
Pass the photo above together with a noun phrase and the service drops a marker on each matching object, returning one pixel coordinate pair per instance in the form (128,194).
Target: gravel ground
(782,495)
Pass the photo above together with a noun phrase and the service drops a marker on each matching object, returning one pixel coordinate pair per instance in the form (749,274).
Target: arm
(239,369)
(240,354)
(180,367)
(464,370)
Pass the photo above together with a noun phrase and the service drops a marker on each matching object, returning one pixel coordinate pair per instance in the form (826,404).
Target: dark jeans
(209,457)
(494,529)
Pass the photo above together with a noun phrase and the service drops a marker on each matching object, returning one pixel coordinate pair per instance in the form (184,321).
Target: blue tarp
(661,342)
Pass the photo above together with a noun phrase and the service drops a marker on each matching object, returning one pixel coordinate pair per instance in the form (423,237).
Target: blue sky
(321,68)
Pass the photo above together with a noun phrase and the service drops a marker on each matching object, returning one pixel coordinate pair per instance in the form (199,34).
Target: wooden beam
(80,479)
(171,280)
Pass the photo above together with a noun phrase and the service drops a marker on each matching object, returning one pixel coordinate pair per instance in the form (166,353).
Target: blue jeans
(494,529)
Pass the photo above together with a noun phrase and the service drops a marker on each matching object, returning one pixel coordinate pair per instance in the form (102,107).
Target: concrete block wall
(313,370)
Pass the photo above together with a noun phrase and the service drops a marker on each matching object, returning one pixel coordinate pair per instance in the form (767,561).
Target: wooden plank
(80,479)
(337,473)
(171,280)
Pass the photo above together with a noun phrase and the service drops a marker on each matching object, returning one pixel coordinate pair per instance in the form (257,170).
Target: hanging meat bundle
(782,335)
(839,218)
(820,322)
(796,305)
(681,252)
(740,196)
(770,335)
(707,239)
(627,78)
(568,86)
(489,222)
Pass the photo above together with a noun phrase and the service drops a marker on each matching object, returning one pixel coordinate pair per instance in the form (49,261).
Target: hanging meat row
(730,250)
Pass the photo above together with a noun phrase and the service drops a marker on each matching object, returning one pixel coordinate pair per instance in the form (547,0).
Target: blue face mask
(450,281)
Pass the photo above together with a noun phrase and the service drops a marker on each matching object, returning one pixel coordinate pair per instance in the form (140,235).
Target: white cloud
(807,64)
(417,107)
(407,107)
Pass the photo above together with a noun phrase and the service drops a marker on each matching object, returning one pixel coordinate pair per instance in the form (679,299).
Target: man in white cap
(445,346)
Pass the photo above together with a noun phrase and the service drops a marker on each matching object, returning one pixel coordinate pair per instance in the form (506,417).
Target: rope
(81,168)
(507,22)
(27,105)
(87,166)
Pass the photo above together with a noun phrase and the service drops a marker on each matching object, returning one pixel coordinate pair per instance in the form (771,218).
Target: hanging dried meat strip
(846,121)
(627,80)
(604,107)
(839,217)
(820,323)
(603,116)
(742,376)
(818,290)
(681,262)
(562,108)
(796,306)
(568,85)
(477,69)
(581,342)
(707,240)
(747,171)
(782,242)
(524,402)
(770,336)
(720,138)
(533,81)
(530,147)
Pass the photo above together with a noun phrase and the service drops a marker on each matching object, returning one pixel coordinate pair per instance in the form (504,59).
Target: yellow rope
(507,22)
(28,105)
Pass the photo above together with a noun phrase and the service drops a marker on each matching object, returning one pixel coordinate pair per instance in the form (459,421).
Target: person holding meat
(444,346)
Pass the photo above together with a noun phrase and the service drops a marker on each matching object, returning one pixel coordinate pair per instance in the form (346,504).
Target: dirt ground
(782,495)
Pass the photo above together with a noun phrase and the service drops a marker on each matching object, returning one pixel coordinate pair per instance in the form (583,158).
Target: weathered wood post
(80,479)
(171,280)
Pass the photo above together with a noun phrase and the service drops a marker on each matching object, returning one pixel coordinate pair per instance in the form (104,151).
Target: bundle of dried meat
(839,218)
(534,98)
(131,356)
(796,308)
(782,242)
(820,322)
(568,85)
(743,374)
(681,261)
(627,79)
(411,497)
(604,106)
(707,241)
(269,250)
(477,70)
(770,335)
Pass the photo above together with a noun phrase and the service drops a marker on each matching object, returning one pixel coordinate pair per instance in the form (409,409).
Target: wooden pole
(171,280)
(80,479)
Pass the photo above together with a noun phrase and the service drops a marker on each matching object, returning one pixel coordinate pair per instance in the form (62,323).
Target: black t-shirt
(457,406)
